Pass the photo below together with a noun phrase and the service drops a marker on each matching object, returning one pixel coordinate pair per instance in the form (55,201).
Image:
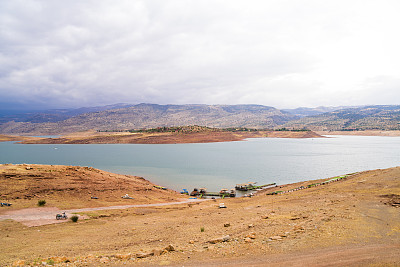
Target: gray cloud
(279,53)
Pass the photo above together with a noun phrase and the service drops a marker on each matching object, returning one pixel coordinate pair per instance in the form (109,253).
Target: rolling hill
(385,117)
(122,117)
(152,115)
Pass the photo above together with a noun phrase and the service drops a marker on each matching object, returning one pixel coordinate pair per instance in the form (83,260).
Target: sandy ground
(70,187)
(361,133)
(351,255)
(46,215)
(159,138)
(354,221)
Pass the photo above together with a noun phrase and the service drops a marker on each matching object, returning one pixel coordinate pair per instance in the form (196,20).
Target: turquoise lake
(221,165)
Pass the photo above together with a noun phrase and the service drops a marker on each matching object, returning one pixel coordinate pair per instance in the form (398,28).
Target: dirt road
(349,255)
(46,215)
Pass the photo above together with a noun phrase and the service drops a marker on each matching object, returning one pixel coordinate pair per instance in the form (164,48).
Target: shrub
(201,229)
(41,203)
(74,218)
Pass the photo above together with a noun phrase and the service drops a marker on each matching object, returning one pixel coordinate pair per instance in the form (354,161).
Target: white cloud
(278,53)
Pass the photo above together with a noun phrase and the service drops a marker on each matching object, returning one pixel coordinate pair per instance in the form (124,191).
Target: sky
(280,53)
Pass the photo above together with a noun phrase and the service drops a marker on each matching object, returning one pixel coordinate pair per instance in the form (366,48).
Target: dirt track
(46,215)
(353,255)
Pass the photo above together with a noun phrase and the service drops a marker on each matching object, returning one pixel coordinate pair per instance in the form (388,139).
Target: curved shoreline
(159,138)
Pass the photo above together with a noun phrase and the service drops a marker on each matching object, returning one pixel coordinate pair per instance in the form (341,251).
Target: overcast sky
(285,54)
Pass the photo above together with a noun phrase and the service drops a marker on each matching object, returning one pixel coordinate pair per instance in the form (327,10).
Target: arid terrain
(5,138)
(353,221)
(158,138)
(361,133)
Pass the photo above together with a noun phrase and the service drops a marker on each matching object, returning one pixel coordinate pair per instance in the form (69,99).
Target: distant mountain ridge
(144,116)
(305,112)
(380,117)
(52,115)
(154,115)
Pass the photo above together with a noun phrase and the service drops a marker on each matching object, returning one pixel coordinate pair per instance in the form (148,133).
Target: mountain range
(120,117)
(384,117)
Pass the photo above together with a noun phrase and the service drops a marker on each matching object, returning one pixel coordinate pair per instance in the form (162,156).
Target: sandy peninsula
(351,221)
(93,137)
(361,133)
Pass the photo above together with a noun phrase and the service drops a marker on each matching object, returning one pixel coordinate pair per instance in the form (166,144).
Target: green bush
(41,203)
(74,218)
(201,229)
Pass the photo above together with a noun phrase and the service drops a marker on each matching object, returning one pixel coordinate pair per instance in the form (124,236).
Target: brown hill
(353,119)
(151,116)
(73,187)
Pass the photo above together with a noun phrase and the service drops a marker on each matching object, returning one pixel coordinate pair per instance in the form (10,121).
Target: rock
(252,235)
(191,241)
(220,239)
(248,240)
(62,259)
(251,225)
(19,263)
(227,224)
(277,237)
(141,255)
(104,260)
(157,252)
(264,217)
(226,238)
(123,256)
(169,248)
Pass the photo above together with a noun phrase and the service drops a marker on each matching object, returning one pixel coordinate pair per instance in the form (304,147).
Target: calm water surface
(221,165)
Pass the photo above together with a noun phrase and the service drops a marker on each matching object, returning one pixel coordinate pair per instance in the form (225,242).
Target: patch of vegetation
(202,229)
(177,129)
(291,130)
(74,218)
(41,202)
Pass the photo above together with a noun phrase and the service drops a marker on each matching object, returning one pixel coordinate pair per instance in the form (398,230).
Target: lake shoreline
(159,138)
(93,137)
(361,133)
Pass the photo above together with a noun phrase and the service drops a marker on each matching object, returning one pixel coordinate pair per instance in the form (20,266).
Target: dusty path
(46,215)
(347,255)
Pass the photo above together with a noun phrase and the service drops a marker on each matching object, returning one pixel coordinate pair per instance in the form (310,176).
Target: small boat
(246,186)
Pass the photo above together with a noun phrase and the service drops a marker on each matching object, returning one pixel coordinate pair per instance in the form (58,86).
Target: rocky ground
(353,220)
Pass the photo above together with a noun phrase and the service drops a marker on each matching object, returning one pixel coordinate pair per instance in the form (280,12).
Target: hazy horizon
(21,108)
